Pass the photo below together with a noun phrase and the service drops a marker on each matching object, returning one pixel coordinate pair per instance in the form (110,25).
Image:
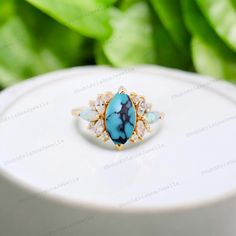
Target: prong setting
(163,115)
(76,112)
(119,147)
(122,89)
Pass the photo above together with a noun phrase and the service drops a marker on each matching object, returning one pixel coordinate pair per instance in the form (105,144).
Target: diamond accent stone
(108,96)
(88,114)
(100,104)
(134,138)
(148,107)
(142,106)
(99,127)
(91,124)
(147,125)
(135,98)
(140,129)
(92,105)
(105,136)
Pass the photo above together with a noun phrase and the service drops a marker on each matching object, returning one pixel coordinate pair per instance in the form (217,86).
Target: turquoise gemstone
(152,117)
(120,118)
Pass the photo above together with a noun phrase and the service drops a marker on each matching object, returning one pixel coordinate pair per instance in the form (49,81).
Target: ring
(120,117)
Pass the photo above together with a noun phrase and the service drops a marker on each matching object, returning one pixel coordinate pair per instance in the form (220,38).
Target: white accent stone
(108,96)
(148,107)
(134,138)
(105,136)
(140,129)
(142,106)
(147,126)
(92,105)
(99,127)
(91,124)
(100,104)
(135,98)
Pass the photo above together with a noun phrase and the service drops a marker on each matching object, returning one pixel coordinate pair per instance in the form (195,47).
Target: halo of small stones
(100,105)
(142,107)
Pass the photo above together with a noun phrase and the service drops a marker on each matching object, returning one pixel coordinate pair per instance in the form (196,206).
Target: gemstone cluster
(120,117)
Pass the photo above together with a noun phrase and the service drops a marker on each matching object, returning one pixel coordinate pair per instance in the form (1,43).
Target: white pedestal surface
(57,179)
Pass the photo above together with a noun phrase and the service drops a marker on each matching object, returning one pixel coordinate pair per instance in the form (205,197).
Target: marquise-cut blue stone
(120,118)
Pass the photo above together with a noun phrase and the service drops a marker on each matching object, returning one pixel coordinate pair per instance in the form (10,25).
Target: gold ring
(120,117)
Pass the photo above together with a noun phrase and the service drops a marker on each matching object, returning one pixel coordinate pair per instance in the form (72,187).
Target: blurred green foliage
(37,36)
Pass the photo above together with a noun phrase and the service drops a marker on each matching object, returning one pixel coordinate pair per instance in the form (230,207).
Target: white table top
(190,160)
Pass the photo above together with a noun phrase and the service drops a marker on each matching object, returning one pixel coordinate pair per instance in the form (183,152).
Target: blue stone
(152,117)
(120,118)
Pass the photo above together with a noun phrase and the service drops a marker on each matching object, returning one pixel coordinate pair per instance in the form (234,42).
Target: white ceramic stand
(57,179)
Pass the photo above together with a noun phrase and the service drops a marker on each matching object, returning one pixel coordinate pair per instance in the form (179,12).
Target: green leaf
(19,58)
(207,61)
(222,16)
(170,14)
(198,25)
(233,2)
(132,41)
(168,53)
(28,49)
(125,4)
(67,51)
(16,51)
(90,17)
(6,10)
(100,56)
(7,78)
(207,39)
